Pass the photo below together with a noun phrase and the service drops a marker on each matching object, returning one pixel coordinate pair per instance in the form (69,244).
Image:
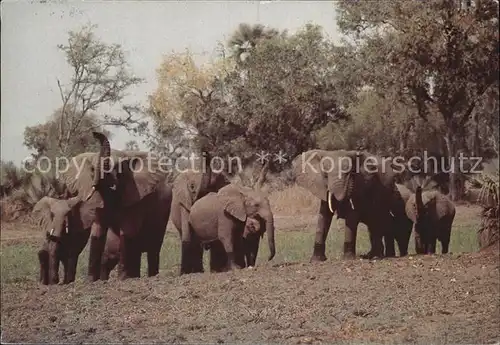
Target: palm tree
(246,37)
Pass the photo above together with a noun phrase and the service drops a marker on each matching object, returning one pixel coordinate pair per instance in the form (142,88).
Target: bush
(488,233)
(21,200)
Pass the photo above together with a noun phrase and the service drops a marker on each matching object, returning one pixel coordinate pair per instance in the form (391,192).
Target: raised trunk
(53,263)
(104,152)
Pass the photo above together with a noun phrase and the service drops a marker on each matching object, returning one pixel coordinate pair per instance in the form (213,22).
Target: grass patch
(19,261)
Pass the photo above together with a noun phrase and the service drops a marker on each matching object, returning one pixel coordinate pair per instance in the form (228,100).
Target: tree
(380,125)
(44,138)
(100,75)
(184,91)
(288,93)
(132,145)
(440,54)
(246,37)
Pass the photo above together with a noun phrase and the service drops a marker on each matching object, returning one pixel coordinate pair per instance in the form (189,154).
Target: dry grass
(294,201)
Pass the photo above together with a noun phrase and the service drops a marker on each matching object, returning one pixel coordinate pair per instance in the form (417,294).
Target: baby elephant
(67,232)
(232,222)
(432,214)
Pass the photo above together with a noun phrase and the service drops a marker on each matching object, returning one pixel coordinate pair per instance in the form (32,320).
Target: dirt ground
(417,300)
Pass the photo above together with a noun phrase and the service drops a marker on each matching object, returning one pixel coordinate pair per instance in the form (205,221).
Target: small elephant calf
(232,221)
(67,232)
(432,214)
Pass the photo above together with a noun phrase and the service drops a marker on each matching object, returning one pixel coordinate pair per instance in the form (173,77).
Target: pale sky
(31,62)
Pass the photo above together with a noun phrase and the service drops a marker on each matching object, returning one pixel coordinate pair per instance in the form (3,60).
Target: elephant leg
(70,265)
(377,247)
(323,226)
(43,257)
(130,258)
(97,243)
(218,257)
(445,241)
(402,236)
(419,243)
(431,245)
(135,265)
(390,248)
(186,246)
(196,257)
(109,262)
(111,256)
(153,262)
(350,234)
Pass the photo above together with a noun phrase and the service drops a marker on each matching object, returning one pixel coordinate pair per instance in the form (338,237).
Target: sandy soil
(416,300)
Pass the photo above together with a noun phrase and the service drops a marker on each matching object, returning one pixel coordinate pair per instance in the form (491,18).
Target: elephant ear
(186,188)
(43,213)
(235,207)
(79,177)
(340,179)
(140,176)
(308,173)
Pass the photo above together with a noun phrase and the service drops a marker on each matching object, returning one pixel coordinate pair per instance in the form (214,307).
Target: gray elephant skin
(188,187)
(230,218)
(402,225)
(125,191)
(65,238)
(360,187)
(432,214)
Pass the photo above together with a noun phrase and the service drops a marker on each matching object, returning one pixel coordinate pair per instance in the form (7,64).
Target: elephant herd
(124,209)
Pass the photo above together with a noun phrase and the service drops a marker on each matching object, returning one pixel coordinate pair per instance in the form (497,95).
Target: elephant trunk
(53,274)
(270,235)
(104,152)
(206,177)
(419,202)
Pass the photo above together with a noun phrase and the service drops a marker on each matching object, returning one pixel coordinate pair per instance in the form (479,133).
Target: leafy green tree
(44,138)
(441,54)
(289,91)
(246,37)
(132,145)
(100,75)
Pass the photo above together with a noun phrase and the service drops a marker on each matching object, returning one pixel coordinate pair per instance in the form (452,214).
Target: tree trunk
(455,186)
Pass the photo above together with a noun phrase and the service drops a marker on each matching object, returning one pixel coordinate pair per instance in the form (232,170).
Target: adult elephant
(233,217)
(432,214)
(401,225)
(188,187)
(360,187)
(118,188)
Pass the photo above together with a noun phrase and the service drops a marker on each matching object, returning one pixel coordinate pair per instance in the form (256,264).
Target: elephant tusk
(329,196)
(51,232)
(352,204)
(90,194)
(392,214)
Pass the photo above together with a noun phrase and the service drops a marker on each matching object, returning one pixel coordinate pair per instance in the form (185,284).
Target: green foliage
(44,138)
(246,37)
(284,92)
(22,199)
(11,178)
(489,233)
(100,75)
(439,55)
(131,145)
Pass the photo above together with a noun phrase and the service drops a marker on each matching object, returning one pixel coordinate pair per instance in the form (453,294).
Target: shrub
(488,233)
